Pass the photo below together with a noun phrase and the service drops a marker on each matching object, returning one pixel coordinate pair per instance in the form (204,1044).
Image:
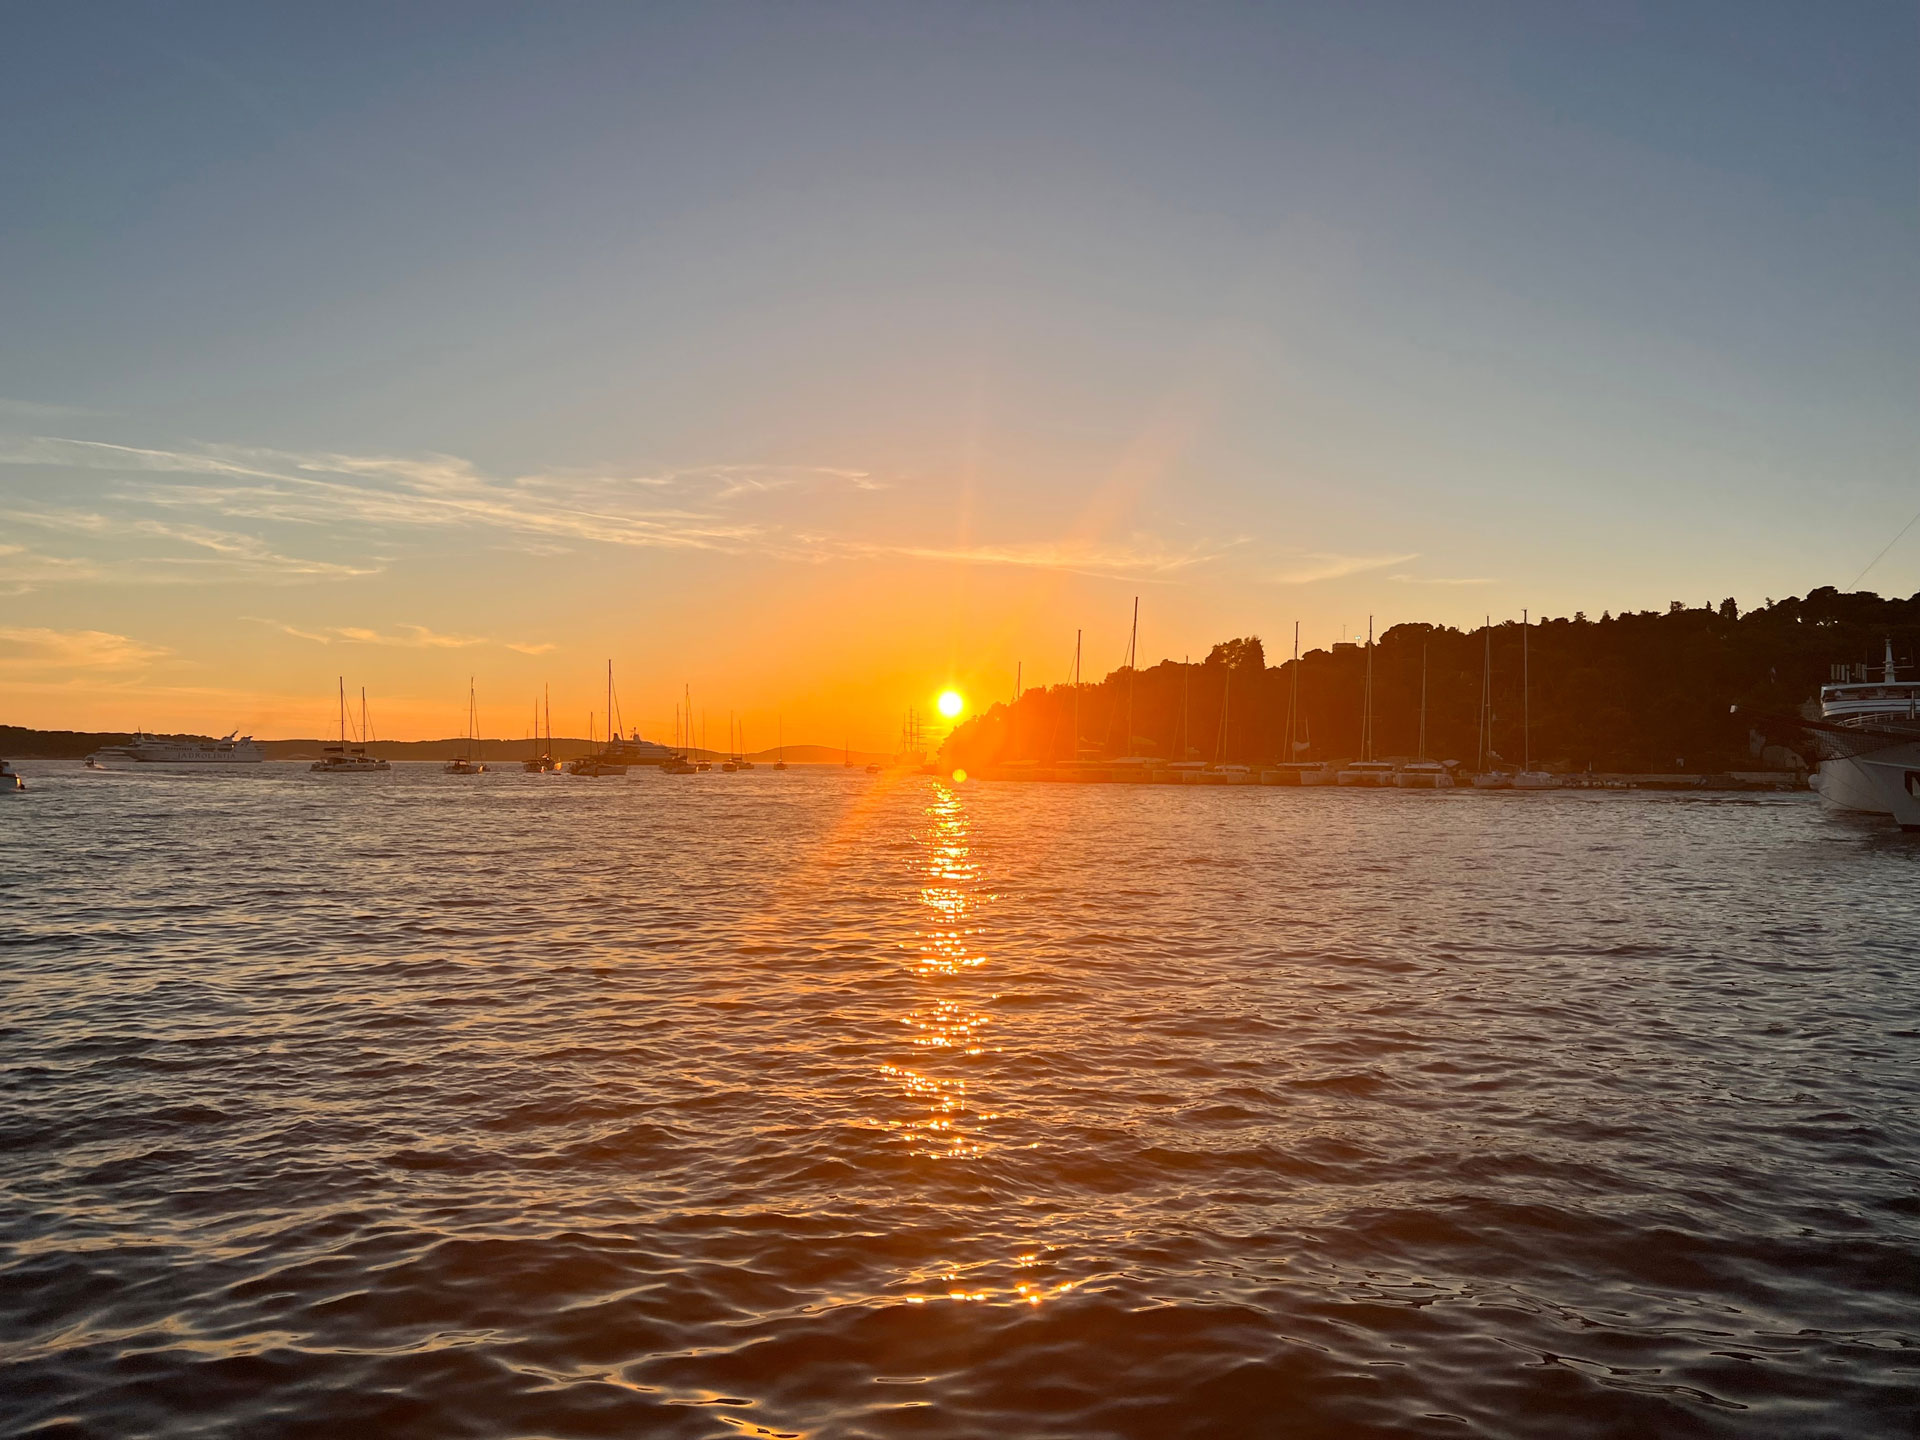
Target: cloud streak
(1140,560)
(405,637)
(403,493)
(543,513)
(37,649)
(1315,566)
(1442,580)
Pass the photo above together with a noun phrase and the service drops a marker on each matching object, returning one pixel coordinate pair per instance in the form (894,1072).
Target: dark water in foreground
(813,1105)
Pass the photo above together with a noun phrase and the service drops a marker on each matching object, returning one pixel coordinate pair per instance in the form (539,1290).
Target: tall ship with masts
(344,759)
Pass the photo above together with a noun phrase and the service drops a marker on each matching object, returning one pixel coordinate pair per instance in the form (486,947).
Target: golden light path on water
(951,1027)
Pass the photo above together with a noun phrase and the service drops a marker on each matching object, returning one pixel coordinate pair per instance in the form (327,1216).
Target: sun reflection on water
(947,1025)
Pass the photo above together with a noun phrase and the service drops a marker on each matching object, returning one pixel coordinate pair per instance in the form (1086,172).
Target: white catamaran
(343,759)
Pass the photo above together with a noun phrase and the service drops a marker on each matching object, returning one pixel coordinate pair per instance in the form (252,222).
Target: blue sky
(819,356)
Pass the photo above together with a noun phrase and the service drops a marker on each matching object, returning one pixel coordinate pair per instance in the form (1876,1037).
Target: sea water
(818,1104)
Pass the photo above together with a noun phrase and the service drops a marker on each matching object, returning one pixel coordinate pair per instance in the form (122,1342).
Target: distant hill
(1669,690)
(19,742)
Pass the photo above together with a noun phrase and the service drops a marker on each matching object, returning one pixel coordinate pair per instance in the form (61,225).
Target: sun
(951,703)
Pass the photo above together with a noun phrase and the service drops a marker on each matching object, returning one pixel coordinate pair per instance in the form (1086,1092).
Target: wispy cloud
(1442,580)
(405,637)
(527,649)
(1141,559)
(1314,566)
(405,492)
(211,554)
(548,512)
(34,649)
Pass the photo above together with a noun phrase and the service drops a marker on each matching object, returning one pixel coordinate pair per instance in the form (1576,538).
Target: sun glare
(951,703)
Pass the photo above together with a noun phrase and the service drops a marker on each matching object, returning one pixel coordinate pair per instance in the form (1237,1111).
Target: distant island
(20,742)
(1647,691)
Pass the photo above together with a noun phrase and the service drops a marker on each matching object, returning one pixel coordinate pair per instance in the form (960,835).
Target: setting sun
(951,703)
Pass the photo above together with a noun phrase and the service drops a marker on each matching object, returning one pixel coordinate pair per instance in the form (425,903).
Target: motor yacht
(1867,740)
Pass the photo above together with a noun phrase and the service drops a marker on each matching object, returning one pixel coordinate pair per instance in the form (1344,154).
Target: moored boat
(144,749)
(1424,775)
(1867,741)
(469,763)
(1366,772)
(10,778)
(342,759)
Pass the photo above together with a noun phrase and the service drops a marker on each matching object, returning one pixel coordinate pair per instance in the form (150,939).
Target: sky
(819,357)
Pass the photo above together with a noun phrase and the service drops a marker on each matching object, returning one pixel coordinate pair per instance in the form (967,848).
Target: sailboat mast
(1486,692)
(1074,757)
(343,714)
(1366,718)
(1221,753)
(1526,697)
(1423,700)
(1293,694)
(1133,665)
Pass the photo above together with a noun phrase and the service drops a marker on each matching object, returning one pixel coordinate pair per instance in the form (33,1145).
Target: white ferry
(142,749)
(1868,741)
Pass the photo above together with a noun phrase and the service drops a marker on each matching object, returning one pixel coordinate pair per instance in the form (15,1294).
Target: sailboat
(1529,778)
(1293,770)
(469,763)
(1483,777)
(542,762)
(1186,764)
(677,762)
(780,730)
(612,758)
(344,760)
(1367,770)
(740,760)
(1422,773)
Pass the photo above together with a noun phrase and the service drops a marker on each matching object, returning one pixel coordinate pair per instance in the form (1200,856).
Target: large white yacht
(234,749)
(1868,741)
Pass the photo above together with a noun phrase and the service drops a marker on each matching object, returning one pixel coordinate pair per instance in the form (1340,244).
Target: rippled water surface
(811,1104)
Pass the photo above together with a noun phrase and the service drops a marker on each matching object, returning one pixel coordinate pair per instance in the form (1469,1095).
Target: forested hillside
(1631,692)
